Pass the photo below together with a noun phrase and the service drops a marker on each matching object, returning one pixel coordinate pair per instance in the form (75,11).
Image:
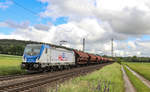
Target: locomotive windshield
(32,50)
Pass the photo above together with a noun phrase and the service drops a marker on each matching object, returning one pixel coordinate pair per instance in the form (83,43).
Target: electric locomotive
(44,57)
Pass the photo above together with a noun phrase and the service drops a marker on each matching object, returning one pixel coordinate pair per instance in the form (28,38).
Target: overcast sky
(98,21)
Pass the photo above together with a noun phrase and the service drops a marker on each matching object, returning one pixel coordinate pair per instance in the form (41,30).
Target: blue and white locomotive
(44,57)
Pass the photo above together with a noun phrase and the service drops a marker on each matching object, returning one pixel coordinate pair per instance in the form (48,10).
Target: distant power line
(83,44)
(21,6)
(112,47)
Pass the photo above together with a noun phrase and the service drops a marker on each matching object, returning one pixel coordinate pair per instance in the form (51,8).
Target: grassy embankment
(141,68)
(137,83)
(10,64)
(87,83)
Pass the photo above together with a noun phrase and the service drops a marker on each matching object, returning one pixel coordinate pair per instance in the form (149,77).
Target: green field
(111,73)
(141,68)
(10,64)
(137,83)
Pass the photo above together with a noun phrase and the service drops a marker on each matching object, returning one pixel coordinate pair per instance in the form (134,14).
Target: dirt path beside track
(145,81)
(128,85)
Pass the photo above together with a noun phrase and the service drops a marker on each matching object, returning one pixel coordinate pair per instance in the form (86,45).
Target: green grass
(138,84)
(110,73)
(10,64)
(141,68)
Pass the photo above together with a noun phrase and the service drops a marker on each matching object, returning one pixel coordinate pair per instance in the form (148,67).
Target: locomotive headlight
(35,65)
(23,65)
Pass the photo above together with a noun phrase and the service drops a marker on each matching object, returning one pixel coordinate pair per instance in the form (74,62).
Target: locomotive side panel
(61,57)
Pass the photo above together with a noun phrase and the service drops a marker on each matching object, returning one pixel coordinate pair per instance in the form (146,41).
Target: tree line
(12,50)
(13,47)
(133,59)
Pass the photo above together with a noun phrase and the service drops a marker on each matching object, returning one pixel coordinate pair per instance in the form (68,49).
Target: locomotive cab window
(32,50)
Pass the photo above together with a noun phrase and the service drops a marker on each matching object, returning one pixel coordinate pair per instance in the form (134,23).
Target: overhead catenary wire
(13,11)
(21,6)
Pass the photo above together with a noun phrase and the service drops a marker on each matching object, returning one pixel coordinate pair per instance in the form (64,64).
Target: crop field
(141,68)
(110,75)
(10,64)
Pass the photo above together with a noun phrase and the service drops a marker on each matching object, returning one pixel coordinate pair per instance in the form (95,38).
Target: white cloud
(98,21)
(73,32)
(131,44)
(57,8)
(74,35)
(118,19)
(119,5)
(42,27)
(129,17)
(5,4)
(12,36)
(12,24)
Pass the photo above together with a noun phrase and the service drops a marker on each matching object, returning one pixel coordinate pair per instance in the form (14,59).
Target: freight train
(43,57)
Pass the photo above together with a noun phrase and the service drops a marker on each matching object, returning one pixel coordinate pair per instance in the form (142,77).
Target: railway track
(9,77)
(28,82)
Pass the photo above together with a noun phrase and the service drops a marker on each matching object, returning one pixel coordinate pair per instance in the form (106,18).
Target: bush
(119,60)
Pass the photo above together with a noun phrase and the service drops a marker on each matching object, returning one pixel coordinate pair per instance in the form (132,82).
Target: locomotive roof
(34,44)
